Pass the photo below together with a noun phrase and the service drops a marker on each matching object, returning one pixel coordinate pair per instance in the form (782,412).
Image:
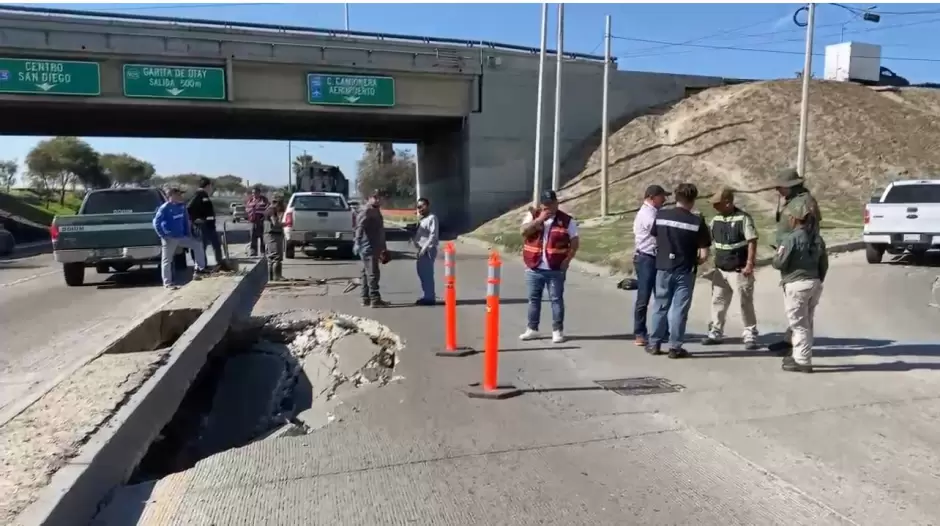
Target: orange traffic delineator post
(450,306)
(490,387)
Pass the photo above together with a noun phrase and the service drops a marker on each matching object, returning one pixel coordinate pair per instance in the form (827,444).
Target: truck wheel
(289,251)
(873,254)
(74,274)
(102,268)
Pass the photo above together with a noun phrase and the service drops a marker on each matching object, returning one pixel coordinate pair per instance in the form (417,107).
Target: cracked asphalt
(743,444)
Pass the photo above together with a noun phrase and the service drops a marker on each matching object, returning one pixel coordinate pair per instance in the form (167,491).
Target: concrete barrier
(110,456)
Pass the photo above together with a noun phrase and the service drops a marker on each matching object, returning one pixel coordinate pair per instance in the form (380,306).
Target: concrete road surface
(743,443)
(47,326)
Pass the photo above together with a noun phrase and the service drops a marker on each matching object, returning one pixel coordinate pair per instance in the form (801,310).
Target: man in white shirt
(426,240)
(551,241)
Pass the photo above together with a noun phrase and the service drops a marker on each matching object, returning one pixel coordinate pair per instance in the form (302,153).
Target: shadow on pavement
(552,348)
(147,277)
(502,301)
(12,264)
(563,389)
(898,366)
(930,259)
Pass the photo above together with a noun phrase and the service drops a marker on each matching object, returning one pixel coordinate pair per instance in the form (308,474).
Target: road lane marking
(29,278)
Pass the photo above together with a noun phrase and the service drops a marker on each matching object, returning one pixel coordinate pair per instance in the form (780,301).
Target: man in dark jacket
(369,244)
(202,213)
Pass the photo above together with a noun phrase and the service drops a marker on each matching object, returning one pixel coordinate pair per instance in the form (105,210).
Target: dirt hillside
(741,135)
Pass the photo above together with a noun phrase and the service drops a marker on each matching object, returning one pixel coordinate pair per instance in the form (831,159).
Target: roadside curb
(594,269)
(110,456)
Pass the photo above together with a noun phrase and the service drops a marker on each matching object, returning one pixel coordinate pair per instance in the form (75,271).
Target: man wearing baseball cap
(550,242)
(644,258)
(734,240)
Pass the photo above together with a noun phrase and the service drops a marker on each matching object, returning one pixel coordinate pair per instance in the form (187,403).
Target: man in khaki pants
(734,240)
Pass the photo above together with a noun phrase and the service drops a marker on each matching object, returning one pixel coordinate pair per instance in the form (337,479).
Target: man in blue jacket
(172,225)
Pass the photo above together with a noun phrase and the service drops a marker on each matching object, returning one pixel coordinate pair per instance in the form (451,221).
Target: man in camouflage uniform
(803,263)
(790,187)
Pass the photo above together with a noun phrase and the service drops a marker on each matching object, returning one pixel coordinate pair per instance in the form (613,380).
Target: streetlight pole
(804,103)
(560,53)
(346,15)
(537,180)
(290,167)
(605,127)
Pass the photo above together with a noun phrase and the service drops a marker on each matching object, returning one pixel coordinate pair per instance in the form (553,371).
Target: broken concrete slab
(353,352)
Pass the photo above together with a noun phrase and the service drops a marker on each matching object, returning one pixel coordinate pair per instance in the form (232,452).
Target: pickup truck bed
(320,220)
(117,240)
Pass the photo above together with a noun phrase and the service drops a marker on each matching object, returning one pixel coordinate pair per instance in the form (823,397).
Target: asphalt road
(47,326)
(742,443)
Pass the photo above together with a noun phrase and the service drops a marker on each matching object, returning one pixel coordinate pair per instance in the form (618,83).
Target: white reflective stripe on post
(492,282)
(448,265)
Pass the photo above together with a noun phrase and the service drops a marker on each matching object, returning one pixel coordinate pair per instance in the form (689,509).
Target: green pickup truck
(113,230)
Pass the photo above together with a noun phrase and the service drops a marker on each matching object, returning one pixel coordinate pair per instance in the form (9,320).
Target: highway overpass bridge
(470,106)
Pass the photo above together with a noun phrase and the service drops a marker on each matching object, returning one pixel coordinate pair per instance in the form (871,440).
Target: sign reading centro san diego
(350,90)
(173,82)
(49,77)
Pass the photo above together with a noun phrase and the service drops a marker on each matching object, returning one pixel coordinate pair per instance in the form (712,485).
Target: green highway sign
(151,81)
(350,90)
(49,77)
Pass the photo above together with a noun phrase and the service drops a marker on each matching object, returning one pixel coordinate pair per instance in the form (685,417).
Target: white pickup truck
(320,220)
(905,218)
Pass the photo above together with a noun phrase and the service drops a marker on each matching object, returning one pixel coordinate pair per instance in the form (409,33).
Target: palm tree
(301,162)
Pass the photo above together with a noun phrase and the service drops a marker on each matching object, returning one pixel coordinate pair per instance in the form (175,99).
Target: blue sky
(766,41)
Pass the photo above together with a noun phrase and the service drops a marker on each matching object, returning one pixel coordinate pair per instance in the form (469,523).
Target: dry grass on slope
(740,136)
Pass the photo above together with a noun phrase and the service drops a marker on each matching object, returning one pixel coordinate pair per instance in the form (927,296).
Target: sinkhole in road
(276,376)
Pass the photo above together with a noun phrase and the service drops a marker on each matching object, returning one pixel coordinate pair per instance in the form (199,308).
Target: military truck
(317,177)
(113,230)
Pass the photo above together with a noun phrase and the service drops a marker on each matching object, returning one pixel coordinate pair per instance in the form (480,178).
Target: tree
(301,162)
(126,170)
(229,184)
(8,171)
(61,162)
(387,171)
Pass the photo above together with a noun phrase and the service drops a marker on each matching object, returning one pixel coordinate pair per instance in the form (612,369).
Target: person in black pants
(644,258)
(202,213)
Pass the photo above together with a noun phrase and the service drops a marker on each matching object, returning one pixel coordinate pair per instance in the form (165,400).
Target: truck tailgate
(78,232)
(325,222)
(903,218)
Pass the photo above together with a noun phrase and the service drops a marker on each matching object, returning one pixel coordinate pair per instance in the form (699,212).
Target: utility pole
(537,180)
(290,167)
(605,127)
(560,53)
(804,103)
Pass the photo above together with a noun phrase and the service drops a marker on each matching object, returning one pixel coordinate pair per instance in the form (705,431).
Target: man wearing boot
(274,238)
(803,263)
(792,190)
(369,244)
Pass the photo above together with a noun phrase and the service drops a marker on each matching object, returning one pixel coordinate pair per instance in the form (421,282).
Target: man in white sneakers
(550,243)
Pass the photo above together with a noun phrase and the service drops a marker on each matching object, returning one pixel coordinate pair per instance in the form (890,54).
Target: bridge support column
(443,167)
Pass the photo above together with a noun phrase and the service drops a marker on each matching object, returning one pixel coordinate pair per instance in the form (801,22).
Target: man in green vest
(734,240)
(803,263)
(792,190)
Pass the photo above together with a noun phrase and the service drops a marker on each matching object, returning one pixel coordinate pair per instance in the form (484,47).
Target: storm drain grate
(643,385)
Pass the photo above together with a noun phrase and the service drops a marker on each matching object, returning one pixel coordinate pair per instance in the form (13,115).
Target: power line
(755,50)
(892,13)
(633,54)
(713,35)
